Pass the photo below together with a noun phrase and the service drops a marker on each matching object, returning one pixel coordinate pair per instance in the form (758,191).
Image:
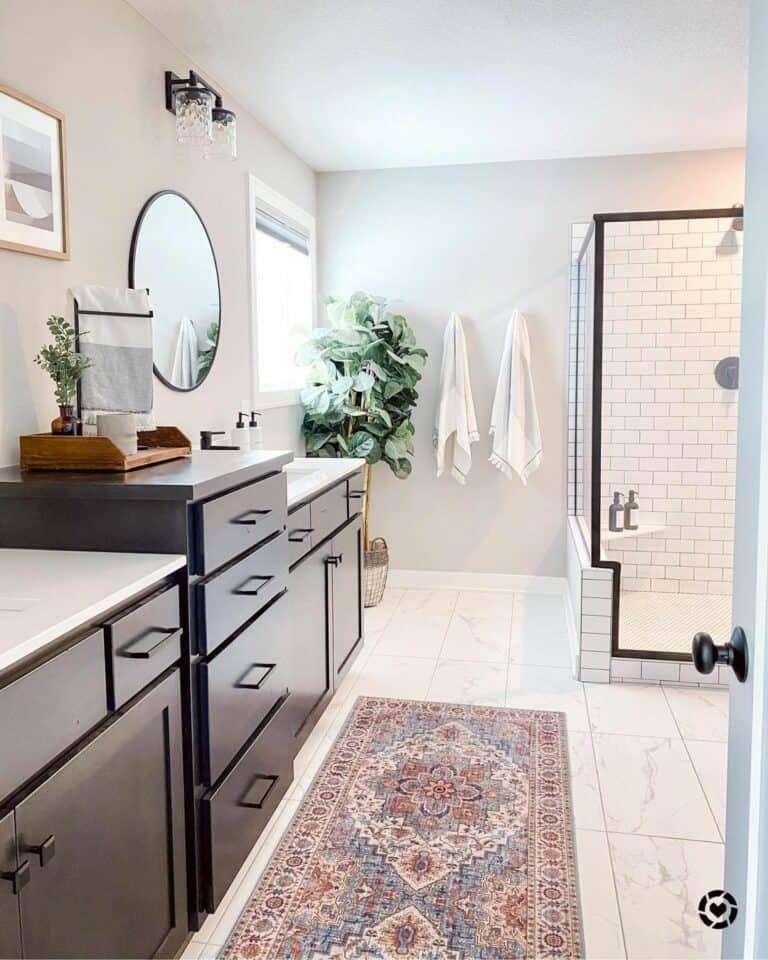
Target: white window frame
(261,195)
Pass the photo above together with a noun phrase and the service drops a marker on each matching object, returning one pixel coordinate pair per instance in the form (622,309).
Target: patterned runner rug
(432,831)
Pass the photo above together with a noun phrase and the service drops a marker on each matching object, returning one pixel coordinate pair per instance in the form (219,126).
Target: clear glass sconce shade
(193,115)
(223,145)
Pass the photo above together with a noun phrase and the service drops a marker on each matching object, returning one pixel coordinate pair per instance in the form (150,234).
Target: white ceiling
(353,84)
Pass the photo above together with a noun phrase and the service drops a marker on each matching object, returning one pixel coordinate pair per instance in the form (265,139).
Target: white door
(746,856)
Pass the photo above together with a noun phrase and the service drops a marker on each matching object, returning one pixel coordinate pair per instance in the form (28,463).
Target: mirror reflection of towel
(184,373)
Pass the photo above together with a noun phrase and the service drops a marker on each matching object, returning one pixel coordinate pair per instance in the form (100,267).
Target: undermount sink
(303,478)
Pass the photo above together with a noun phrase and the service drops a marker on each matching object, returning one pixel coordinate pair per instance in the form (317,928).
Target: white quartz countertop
(45,594)
(307,476)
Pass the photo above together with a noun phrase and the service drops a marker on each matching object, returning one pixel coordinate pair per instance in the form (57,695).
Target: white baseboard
(460,580)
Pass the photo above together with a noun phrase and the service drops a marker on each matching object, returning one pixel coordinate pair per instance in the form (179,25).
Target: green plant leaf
(363,382)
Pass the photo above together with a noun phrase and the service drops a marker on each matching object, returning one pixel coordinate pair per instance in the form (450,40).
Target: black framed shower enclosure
(585,464)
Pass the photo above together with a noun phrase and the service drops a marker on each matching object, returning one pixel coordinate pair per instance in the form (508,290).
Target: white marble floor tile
(485,603)
(659,883)
(477,638)
(547,688)
(414,635)
(376,618)
(199,950)
(427,601)
(701,714)
(540,631)
(603,939)
(585,791)
(710,759)
(458,681)
(244,889)
(631,708)
(649,786)
(405,678)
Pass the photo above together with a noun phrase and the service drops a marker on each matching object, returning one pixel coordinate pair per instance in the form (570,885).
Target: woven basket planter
(376,570)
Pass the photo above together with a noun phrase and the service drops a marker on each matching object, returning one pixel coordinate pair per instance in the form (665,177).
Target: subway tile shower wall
(672,307)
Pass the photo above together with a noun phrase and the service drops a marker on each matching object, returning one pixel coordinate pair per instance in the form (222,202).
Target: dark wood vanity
(268,619)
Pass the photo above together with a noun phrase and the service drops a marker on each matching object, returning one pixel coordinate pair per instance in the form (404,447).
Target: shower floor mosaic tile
(666,622)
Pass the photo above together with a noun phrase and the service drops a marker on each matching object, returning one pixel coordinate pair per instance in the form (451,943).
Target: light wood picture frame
(33,177)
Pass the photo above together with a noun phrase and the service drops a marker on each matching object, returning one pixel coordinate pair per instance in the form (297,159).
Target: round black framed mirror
(172,256)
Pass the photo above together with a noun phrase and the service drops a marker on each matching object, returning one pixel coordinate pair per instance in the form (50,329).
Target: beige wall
(102,64)
(482,240)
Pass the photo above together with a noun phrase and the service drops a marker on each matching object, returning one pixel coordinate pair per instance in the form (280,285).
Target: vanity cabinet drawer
(236,812)
(300,533)
(236,594)
(235,522)
(328,512)
(141,643)
(241,684)
(45,711)
(355,493)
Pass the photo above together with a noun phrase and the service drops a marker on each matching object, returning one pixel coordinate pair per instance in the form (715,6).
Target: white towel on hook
(185,362)
(455,424)
(516,444)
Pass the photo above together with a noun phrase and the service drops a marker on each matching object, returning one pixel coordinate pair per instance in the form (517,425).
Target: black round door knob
(707,654)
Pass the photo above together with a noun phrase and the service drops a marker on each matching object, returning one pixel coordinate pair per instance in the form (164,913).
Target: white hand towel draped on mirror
(516,444)
(185,364)
(120,378)
(455,425)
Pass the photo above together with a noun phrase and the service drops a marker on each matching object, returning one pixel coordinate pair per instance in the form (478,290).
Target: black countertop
(203,474)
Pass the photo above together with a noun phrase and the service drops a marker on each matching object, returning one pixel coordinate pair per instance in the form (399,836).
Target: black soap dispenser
(629,507)
(241,432)
(616,514)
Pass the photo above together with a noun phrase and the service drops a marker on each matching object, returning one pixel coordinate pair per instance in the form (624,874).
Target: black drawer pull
(303,533)
(356,494)
(45,851)
(272,782)
(19,877)
(144,653)
(334,560)
(267,669)
(242,518)
(252,593)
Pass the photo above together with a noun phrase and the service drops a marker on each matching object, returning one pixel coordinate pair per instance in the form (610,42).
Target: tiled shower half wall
(671,312)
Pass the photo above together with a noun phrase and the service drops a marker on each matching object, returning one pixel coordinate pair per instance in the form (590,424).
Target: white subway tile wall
(672,309)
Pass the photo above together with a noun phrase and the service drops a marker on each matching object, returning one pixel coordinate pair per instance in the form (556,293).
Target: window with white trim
(283,297)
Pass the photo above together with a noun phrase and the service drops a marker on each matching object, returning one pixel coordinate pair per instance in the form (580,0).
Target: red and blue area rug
(433,831)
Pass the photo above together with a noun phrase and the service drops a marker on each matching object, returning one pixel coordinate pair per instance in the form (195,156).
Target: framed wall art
(33,188)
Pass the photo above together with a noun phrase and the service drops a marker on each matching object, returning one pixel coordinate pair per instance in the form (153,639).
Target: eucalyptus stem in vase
(65,365)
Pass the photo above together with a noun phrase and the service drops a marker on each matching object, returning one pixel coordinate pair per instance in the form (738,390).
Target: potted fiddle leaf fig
(360,394)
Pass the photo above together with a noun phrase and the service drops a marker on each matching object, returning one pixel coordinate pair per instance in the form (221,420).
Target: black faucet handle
(206,438)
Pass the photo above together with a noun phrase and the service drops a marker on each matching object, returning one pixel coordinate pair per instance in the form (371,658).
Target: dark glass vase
(66,424)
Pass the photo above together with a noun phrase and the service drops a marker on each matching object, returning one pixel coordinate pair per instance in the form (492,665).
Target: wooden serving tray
(48,451)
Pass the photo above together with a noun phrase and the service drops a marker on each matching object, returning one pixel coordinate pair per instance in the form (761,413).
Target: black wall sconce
(201,118)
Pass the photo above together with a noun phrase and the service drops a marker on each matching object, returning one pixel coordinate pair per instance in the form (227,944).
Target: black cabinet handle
(334,560)
(267,668)
(356,494)
(45,851)
(241,592)
(243,517)
(137,652)
(19,877)
(259,779)
(303,532)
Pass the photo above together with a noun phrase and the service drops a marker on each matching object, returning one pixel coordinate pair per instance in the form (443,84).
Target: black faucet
(206,440)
